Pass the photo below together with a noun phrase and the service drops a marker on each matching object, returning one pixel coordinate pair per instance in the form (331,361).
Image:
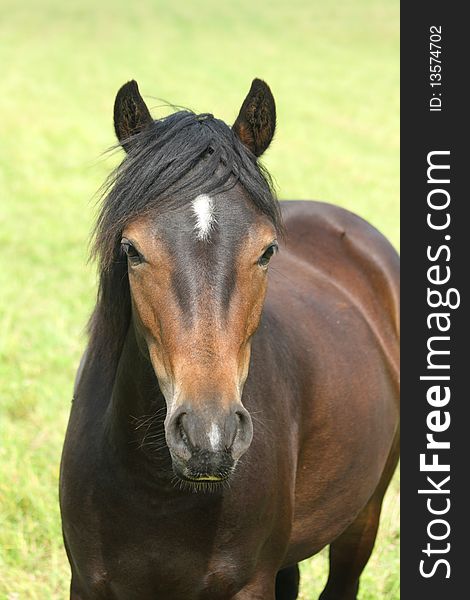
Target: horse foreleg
(261,587)
(287,583)
(74,595)
(350,552)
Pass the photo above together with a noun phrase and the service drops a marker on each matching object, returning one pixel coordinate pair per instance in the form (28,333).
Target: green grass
(333,67)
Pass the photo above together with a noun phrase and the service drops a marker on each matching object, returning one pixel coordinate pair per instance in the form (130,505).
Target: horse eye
(267,254)
(134,256)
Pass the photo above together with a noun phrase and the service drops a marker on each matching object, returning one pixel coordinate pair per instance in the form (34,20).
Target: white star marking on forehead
(203,208)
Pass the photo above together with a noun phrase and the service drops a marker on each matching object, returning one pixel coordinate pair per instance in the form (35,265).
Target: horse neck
(137,408)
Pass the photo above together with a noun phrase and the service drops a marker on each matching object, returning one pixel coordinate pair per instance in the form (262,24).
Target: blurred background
(334,70)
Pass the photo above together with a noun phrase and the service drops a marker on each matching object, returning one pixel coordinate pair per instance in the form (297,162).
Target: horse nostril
(240,416)
(177,436)
(243,417)
(243,433)
(181,430)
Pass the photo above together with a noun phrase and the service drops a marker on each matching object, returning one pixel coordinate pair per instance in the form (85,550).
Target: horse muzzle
(204,444)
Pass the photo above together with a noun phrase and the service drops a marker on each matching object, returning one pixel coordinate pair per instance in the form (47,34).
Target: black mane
(169,163)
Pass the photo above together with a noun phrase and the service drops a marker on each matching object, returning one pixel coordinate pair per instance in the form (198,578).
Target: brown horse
(224,429)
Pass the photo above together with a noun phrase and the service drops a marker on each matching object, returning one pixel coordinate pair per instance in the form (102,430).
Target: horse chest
(175,574)
(155,550)
(176,571)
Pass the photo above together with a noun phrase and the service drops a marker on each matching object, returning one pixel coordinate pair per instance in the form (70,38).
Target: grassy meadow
(333,68)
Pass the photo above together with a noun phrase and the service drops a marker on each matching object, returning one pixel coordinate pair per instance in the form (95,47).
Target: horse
(226,424)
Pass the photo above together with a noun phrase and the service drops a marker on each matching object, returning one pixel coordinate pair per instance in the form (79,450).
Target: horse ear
(256,122)
(131,114)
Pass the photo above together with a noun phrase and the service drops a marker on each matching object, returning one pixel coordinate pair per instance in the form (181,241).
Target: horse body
(322,392)
(343,318)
